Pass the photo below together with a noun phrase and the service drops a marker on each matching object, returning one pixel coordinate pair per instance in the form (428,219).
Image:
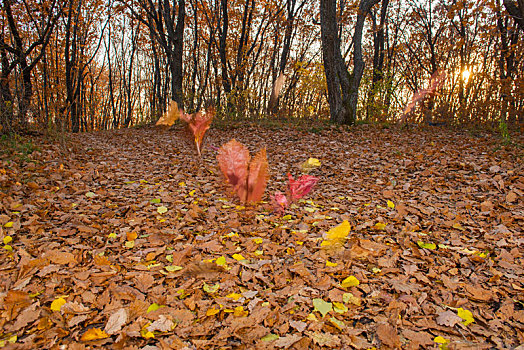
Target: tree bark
(342,87)
(516,10)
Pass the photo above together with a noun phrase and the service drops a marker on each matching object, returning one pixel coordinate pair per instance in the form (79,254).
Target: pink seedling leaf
(233,159)
(301,187)
(279,202)
(198,124)
(257,177)
(435,83)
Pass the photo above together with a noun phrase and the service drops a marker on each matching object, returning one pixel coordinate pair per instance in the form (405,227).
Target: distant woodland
(84,65)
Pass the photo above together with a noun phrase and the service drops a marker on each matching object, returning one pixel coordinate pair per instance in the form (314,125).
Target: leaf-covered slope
(127,240)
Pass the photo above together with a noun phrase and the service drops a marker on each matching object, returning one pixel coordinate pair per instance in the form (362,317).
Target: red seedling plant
(296,188)
(247,177)
(198,123)
(300,187)
(435,83)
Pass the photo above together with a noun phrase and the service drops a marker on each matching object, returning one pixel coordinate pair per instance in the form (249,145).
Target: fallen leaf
(322,306)
(349,282)
(57,304)
(116,321)
(448,318)
(94,334)
(465,315)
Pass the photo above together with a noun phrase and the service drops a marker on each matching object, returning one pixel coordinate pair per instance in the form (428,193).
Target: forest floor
(125,239)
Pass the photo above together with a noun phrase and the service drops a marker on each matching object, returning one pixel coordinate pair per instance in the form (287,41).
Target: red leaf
(257,178)
(279,201)
(435,83)
(233,160)
(198,124)
(301,187)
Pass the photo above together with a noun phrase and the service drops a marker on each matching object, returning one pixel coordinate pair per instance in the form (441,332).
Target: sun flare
(465,74)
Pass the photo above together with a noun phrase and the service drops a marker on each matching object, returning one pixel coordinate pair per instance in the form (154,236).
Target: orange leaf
(198,124)
(94,334)
(233,159)
(257,178)
(170,116)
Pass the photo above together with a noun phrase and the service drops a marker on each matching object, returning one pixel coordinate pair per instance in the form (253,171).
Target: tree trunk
(337,76)
(358,62)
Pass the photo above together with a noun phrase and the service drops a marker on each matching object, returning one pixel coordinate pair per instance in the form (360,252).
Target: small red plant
(279,202)
(300,187)
(198,123)
(247,177)
(296,188)
(435,83)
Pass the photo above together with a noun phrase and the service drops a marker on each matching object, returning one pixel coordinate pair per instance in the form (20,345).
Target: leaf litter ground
(127,240)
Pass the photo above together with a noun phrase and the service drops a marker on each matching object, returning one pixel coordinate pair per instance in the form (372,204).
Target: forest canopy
(83,65)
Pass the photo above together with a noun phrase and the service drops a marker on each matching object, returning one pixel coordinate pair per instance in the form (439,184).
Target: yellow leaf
(111,235)
(234,296)
(310,164)
(351,281)
(330,264)
(154,307)
(286,217)
(431,246)
(339,232)
(337,323)
(94,334)
(8,224)
(339,307)
(173,268)
(257,240)
(259,252)
(466,315)
(221,261)
(380,226)
(349,298)
(8,239)
(238,257)
(443,342)
(458,226)
(56,305)
(211,288)
(239,312)
(8,248)
(391,205)
(311,317)
(182,184)
(129,244)
(147,334)
(212,311)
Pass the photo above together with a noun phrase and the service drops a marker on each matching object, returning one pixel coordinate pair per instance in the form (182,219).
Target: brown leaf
(511,197)
(27,316)
(116,321)
(388,335)
(144,281)
(60,257)
(163,324)
(448,318)
(287,341)
(15,301)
